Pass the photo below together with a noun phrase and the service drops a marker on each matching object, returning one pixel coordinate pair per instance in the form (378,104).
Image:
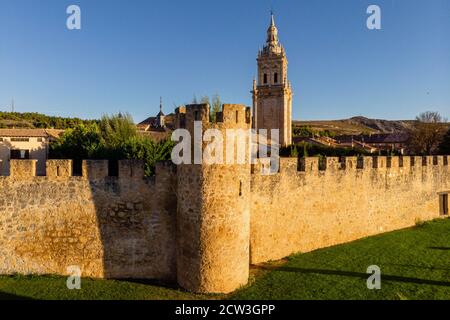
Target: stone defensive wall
(310,205)
(202,225)
(114,227)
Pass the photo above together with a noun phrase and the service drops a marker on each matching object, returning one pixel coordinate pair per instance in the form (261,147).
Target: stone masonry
(203,225)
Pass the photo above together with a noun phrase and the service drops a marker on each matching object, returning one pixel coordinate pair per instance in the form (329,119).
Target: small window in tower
(196,116)
(275,78)
(265,78)
(237,116)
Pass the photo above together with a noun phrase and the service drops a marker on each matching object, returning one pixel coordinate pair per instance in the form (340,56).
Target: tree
(426,133)
(215,107)
(114,138)
(444,147)
(303,132)
(214,103)
(81,142)
(205,100)
(37,120)
(116,129)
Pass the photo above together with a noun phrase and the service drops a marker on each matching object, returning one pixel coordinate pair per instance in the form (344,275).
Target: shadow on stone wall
(119,226)
(136,219)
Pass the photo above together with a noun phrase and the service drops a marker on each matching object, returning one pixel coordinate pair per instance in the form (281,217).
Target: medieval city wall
(202,225)
(118,227)
(302,208)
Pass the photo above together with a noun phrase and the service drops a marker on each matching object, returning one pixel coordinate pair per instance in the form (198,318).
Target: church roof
(149,120)
(152,120)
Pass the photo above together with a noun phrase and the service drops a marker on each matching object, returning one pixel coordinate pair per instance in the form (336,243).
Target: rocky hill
(357,125)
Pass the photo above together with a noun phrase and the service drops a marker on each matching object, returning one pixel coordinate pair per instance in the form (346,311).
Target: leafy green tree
(216,107)
(37,120)
(116,129)
(215,103)
(303,132)
(113,138)
(294,151)
(305,150)
(312,150)
(81,142)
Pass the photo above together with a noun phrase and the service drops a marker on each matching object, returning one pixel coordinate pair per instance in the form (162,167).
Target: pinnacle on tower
(272,43)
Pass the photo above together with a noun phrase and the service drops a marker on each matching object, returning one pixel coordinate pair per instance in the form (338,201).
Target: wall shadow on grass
(418,267)
(439,248)
(361,275)
(9,296)
(167,284)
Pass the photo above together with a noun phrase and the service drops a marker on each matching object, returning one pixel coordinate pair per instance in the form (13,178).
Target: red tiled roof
(39,133)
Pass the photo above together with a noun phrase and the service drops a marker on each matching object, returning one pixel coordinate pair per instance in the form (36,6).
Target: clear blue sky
(129,53)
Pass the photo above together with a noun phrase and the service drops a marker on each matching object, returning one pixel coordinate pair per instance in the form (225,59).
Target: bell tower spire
(272,96)
(272,42)
(272,32)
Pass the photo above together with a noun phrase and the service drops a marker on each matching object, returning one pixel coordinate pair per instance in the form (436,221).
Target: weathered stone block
(22,169)
(95,169)
(289,165)
(406,162)
(59,168)
(368,163)
(350,163)
(332,164)
(129,169)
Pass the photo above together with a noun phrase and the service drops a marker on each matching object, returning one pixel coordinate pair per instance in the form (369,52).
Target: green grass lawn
(414,263)
(54,288)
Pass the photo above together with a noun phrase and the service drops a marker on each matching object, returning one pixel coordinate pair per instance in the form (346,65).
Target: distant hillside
(31,120)
(357,125)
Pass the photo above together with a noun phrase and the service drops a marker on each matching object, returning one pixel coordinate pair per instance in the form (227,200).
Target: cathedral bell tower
(272,94)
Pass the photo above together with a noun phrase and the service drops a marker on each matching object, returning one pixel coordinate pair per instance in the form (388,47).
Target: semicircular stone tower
(213,214)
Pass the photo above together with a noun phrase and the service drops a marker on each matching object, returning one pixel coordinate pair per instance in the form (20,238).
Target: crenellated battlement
(234,115)
(316,202)
(314,165)
(196,223)
(231,116)
(134,169)
(57,169)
